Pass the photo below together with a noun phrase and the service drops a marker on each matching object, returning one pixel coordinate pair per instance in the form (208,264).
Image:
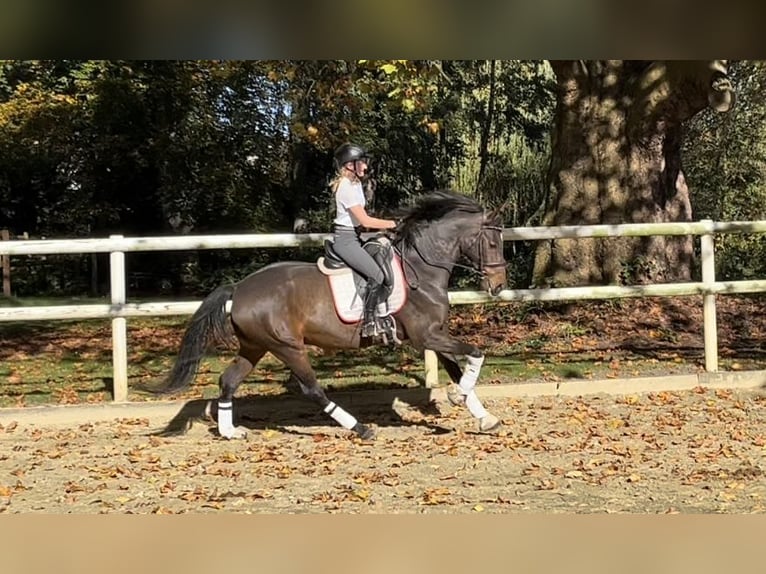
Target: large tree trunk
(617,159)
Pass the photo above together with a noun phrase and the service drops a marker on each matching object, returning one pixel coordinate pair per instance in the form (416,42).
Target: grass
(43,362)
(83,373)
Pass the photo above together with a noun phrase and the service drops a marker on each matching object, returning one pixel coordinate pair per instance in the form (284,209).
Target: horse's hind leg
(228,383)
(451,365)
(297,361)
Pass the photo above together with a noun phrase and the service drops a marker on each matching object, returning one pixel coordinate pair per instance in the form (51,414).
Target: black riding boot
(373,325)
(374,291)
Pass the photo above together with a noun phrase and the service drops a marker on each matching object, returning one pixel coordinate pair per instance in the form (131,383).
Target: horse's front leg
(446,349)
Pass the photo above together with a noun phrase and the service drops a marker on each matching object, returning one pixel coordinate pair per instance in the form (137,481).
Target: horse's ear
(496,215)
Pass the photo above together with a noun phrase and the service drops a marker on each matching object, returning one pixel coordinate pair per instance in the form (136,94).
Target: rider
(351,164)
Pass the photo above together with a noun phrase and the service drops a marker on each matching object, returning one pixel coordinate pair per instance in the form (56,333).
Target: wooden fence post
(119,326)
(431,369)
(710,325)
(6,264)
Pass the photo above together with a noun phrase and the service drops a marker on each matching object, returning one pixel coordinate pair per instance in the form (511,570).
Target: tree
(503,110)
(725,164)
(616,158)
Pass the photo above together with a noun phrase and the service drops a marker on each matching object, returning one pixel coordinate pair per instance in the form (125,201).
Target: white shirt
(348,195)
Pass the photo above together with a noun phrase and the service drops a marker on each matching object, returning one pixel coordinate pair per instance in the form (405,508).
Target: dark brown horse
(286,306)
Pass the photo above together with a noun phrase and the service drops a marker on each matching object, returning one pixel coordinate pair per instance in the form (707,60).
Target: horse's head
(445,225)
(485,250)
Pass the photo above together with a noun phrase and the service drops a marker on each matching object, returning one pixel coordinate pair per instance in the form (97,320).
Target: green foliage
(725,163)
(740,257)
(503,144)
(92,148)
(636,270)
(515,175)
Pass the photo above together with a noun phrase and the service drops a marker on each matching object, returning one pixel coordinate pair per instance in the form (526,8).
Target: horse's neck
(431,258)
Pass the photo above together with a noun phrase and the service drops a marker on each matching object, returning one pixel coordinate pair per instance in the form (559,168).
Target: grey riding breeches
(347,245)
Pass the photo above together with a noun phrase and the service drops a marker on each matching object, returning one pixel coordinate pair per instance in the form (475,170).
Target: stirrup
(388,330)
(369,329)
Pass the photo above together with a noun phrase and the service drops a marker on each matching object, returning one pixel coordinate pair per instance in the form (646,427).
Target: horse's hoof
(489,423)
(454,396)
(233,433)
(364,432)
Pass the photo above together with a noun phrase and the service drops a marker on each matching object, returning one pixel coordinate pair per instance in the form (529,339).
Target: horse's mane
(432,207)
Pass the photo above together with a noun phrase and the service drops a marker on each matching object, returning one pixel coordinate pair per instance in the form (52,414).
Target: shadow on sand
(384,408)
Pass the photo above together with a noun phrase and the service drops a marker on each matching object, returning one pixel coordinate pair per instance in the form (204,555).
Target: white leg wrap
(474,405)
(225,418)
(467,384)
(470,373)
(344,419)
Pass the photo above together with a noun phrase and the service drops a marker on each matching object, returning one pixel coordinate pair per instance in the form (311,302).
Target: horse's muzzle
(494,279)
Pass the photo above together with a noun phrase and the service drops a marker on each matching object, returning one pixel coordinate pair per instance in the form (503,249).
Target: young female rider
(351,163)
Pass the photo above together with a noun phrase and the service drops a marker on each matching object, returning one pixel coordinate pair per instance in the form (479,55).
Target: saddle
(378,247)
(349,287)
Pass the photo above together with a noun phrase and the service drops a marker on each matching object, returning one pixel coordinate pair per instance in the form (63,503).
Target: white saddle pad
(350,306)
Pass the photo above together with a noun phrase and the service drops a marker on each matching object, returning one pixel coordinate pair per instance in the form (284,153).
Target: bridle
(481,268)
(483,263)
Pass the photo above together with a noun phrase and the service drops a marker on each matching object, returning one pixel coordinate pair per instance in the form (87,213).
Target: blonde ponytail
(342,173)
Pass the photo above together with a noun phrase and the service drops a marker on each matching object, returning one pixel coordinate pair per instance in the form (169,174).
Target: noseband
(484,264)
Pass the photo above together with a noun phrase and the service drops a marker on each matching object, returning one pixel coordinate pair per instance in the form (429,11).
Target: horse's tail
(208,325)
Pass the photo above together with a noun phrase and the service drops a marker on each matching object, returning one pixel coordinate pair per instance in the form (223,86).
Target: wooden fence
(120,309)
(5,262)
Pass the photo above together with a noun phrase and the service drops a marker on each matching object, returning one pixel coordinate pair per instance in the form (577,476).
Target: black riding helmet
(350,152)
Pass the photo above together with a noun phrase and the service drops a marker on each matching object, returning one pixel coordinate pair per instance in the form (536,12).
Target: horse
(286,306)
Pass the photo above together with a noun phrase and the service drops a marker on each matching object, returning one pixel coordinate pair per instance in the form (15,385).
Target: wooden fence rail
(120,309)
